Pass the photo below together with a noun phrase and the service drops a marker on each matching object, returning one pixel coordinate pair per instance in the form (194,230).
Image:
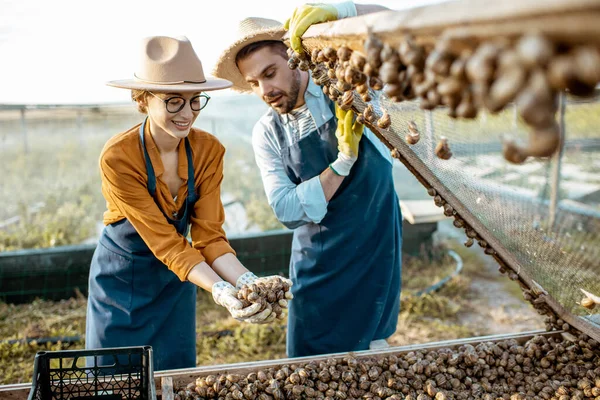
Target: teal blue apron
(134,299)
(346,270)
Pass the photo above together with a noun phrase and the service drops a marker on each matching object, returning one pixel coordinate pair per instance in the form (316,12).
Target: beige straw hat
(170,65)
(250,30)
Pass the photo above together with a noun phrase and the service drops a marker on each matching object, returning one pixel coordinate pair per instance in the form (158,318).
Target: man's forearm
(330,182)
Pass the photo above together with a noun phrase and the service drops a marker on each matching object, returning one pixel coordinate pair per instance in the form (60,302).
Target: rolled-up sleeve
(293,205)
(128,191)
(208,217)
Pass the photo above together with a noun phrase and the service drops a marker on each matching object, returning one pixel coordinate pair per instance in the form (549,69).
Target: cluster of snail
(530,72)
(270,294)
(542,368)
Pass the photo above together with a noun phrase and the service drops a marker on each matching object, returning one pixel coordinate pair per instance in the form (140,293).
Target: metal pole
(557,162)
(24,131)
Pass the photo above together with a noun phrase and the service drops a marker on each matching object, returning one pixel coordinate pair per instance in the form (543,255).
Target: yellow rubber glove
(348,133)
(305,16)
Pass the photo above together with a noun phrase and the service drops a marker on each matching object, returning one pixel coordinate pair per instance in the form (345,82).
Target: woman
(158,179)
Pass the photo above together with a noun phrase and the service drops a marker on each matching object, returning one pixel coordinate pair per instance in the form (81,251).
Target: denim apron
(134,299)
(346,269)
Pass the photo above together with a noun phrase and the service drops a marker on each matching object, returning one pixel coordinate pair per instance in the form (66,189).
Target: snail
(413,136)
(590,300)
(293,63)
(442,150)
(375,83)
(347,100)
(344,53)
(542,143)
(534,50)
(369,114)
(385,121)
(304,65)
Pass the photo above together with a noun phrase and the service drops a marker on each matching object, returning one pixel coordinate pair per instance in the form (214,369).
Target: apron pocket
(114,277)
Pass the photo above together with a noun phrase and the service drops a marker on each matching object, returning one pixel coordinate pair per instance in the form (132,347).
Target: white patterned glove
(246,278)
(224,294)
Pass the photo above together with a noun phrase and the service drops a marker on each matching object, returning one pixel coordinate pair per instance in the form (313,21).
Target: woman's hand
(249,278)
(224,294)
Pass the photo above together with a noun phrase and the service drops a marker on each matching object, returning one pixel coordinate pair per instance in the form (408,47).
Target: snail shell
(347,100)
(358,61)
(363,88)
(304,65)
(412,137)
(369,114)
(330,53)
(385,121)
(535,50)
(448,210)
(442,150)
(293,63)
(375,83)
(504,89)
(344,53)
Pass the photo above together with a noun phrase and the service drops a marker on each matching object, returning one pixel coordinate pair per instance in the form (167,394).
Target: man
(334,189)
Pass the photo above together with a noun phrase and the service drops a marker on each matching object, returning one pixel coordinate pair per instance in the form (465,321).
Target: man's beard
(289,99)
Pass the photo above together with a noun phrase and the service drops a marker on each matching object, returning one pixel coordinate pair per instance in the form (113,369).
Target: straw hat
(170,65)
(250,30)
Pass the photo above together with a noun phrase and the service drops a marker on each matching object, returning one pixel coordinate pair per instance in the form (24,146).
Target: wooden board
(569,21)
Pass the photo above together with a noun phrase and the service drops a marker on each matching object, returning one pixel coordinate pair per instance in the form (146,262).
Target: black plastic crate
(120,373)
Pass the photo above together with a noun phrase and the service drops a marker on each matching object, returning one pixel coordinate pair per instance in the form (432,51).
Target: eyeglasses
(176,103)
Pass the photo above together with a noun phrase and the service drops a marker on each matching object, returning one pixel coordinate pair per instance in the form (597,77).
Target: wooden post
(24,131)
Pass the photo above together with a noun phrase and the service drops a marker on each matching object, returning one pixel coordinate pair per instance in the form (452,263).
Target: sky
(64,51)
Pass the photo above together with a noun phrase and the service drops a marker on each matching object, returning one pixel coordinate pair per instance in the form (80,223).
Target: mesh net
(542,218)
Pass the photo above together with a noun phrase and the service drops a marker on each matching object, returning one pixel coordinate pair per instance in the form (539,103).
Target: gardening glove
(348,133)
(224,294)
(248,278)
(314,13)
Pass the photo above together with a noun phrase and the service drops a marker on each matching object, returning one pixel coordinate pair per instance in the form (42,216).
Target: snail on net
(413,136)
(442,149)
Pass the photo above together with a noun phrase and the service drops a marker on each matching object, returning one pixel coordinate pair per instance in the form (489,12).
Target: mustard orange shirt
(125,188)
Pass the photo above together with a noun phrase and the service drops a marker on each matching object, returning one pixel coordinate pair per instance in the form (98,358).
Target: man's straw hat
(250,30)
(170,65)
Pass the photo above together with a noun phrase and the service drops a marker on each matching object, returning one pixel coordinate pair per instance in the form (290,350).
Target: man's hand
(305,16)
(348,133)
(309,14)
